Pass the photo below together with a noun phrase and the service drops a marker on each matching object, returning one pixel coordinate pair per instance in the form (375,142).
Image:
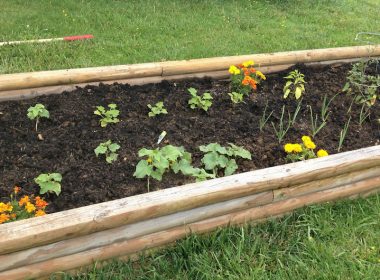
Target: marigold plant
(303,151)
(245,78)
(22,208)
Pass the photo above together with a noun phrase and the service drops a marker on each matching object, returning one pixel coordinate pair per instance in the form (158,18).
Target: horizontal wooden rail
(124,247)
(170,68)
(107,237)
(81,221)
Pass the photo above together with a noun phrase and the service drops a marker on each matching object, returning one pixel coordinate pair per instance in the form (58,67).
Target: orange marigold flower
(16,189)
(40,203)
(240,65)
(246,73)
(253,70)
(40,213)
(246,80)
(23,200)
(29,207)
(253,84)
(13,216)
(4,218)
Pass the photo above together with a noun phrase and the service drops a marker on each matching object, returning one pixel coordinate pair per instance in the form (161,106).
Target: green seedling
(295,84)
(157,109)
(202,102)
(107,116)
(281,131)
(50,182)
(108,149)
(36,112)
(343,133)
(315,127)
(264,118)
(365,112)
(161,160)
(236,97)
(218,157)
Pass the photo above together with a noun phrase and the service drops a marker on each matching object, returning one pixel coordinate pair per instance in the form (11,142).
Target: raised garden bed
(73,238)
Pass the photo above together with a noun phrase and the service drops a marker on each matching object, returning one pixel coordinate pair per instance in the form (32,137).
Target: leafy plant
(107,116)
(303,151)
(157,109)
(161,160)
(295,84)
(202,102)
(50,182)
(236,97)
(218,157)
(23,208)
(281,131)
(264,118)
(315,127)
(36,112)
(108,149)
(245,78)
(342,134)
(363,86)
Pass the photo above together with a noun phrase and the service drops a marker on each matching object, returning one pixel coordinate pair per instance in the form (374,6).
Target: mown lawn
(145,31)
(331,241)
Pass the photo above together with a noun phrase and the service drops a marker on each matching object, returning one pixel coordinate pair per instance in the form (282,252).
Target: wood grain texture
(81,221)
(160,238)
(170,68)
(268,59)
(324,184)
(103,238)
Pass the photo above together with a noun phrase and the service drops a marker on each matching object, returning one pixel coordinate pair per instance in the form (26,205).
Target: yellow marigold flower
(29,207)
(297,148)
(322,153)
(261,75)
(310,145)
(5,207)
(23,200)
(248,63)
(234,70)
(289,148)
(4,218)
(39,213)
(306,139)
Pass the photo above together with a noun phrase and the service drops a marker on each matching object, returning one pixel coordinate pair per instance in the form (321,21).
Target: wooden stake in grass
(67,38)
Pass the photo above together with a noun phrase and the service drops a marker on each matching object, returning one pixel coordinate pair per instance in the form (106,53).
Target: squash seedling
(50,182)
(107,116)
(109,150)
(157,109)
(36,112)
(236,97)
(161,160)
(295,84)
(217,156)
(202,102)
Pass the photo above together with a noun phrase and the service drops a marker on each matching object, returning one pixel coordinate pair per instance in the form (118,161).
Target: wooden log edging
(85,220)
(125,247)
(31,247)
(171,68)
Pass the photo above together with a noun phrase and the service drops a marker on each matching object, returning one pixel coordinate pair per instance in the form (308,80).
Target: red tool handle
(78,37)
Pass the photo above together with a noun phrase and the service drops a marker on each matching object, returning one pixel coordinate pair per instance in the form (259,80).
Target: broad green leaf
(143,169)
(192,91)
(171,152)
(298,92)
(56,177)
(50,187)
(114,147)
(145,152)
(210,160)
(286,93)
(111,157)
(231,167)
(240,152)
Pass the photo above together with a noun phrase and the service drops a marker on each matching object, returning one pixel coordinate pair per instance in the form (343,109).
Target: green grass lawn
(331,241)
(144,31)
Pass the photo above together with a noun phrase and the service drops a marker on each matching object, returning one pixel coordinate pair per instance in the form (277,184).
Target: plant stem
(37,123)
(148,182)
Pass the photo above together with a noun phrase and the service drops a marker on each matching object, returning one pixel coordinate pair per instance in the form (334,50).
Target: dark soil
(73,132)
